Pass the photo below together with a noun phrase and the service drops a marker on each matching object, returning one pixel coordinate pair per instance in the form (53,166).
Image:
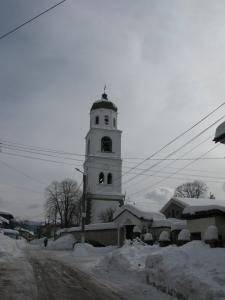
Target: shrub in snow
(211,236)
(164,239)
(137,231)
(184,237)
(211,233)
(148,239)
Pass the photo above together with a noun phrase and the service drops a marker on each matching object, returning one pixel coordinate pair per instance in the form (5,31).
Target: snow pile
(129,258)
(148,237)
(184,235)
(66,242)
(86,249)
(164,236)
(9,246)
(38,242)
(193,271)
(211,233)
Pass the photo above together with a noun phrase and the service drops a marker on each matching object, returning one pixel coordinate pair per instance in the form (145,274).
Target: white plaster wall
(126,218)
(101,113)
(99,206)
(95,136)
(94,166)
(200,225)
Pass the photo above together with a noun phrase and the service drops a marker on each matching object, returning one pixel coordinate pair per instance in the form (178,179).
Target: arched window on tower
(114,122)
(109,178)
(97,120)
(106,144)
(101,178)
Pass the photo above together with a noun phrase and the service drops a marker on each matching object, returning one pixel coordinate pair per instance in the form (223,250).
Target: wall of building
(173,211)
(105,237)
(200,225)
(99,207)
(94,166)
(101,113)
(220,223)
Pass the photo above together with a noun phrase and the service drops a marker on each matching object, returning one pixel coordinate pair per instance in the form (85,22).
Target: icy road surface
(43,275)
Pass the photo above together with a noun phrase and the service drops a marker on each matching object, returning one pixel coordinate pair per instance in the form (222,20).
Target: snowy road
(36,276)
(56,280)
(39,274)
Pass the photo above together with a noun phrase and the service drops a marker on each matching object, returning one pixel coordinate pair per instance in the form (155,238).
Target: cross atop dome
(104,95)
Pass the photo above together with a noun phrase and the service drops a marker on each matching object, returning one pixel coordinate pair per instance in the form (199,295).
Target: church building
(103,163)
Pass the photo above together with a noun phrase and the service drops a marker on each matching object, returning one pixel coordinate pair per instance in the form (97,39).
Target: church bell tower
(103,163)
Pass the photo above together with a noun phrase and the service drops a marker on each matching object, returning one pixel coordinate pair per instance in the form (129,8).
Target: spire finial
(104,95)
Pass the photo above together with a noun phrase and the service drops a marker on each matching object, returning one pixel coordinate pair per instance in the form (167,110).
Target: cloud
(33,206)
(163,64)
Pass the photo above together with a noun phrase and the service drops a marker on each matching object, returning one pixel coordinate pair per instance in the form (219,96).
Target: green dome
(104,103)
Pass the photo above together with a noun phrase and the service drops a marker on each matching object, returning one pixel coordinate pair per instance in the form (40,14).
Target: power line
(40,153)
(22,173)
(181,147)
(150,186)
(38,148)
(30,20)
(172,162)
(175,139)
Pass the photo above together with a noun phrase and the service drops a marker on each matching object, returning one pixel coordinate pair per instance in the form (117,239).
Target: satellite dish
(220,134)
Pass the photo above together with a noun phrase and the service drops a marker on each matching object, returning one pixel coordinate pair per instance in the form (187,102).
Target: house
(130,217)
(6,219)
(175,206)
(205,213)
(199,213)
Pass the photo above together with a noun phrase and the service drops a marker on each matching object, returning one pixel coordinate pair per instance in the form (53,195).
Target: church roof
(104,103)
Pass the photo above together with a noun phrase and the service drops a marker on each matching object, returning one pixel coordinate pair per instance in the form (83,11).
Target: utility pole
(83,205)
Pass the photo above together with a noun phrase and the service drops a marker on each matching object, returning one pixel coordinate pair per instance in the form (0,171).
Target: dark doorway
(129,232)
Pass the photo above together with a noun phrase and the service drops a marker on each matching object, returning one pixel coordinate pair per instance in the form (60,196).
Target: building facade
(103,163)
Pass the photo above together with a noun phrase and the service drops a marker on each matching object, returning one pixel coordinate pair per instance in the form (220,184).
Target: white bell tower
(103,164)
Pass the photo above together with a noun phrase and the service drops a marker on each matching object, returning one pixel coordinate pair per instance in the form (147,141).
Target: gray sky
(164,66)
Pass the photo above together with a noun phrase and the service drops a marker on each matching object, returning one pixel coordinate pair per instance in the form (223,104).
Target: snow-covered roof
(191,210)
(24,230)
(6,213)
(97,226)
(141,214)
(3,220)
(10,231)
(186,202)
(174,224)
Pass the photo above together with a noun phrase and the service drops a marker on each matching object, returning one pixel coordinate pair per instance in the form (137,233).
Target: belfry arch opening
(109,178)
(106,144)
(101,178)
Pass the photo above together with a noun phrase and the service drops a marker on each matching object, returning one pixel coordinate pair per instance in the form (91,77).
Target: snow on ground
(65,242)
(194,271)
(82,250)
(191,272)
(10,247)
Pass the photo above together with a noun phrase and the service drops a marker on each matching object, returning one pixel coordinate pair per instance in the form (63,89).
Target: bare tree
(107,215)
(195,189)
(63,201)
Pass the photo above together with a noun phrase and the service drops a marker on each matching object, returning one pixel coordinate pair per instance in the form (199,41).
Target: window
(114,122)
(106,144)
(109,178)
(101,178)
(106,120)
(97,120)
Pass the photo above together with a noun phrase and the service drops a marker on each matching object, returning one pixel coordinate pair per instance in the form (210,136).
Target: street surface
(40,274)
